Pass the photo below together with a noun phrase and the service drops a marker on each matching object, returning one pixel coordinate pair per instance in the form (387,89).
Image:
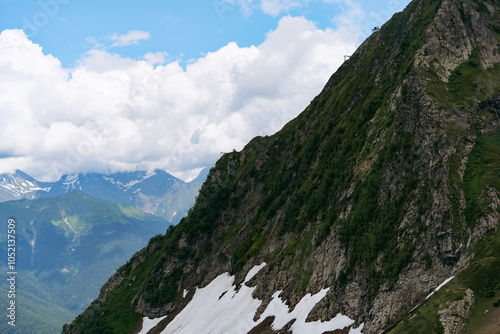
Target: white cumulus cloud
(131,37)
(111,113)
(276,7)
(155,58)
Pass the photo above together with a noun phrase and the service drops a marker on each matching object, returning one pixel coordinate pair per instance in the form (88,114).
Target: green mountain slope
(380,190)
(66,248)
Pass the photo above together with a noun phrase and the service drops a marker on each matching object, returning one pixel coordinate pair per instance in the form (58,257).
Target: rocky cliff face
(380,190)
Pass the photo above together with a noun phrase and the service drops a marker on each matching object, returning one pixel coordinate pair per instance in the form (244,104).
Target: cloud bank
(111,113)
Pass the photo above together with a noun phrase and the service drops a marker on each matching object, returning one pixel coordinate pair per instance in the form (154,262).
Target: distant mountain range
(66,248)
(71,235)
(158,192)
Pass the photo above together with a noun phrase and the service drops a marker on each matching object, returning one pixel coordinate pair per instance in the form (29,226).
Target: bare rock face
(455,32)
(489,221)
(454,317)
(447,43)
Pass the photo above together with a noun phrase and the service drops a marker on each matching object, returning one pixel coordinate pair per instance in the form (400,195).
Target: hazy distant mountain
(118,187)
(158,192)
(66,248)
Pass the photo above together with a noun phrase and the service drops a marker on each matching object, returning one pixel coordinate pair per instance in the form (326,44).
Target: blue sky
(183,29)
(106,86)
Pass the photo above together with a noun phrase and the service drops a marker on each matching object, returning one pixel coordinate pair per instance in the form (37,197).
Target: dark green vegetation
(370,180)
(66,248)
(483,169)
(38,311)
(118,317)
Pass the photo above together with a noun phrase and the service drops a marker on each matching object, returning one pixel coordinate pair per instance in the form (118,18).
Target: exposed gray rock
(454,317)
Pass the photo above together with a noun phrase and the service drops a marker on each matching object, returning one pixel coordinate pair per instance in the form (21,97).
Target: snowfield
(219,308)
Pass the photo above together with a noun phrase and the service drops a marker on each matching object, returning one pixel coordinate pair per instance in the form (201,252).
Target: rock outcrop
(454,317)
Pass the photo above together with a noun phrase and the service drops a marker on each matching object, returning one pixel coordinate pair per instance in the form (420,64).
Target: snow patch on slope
(126,186)
(357,330)
(217,308)
(220,308)
(436,289)
(440,286)
(278,308)
(71,181)
(149,324)
(252,272)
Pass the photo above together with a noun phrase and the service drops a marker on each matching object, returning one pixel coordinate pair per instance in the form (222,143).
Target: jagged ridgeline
(384,187)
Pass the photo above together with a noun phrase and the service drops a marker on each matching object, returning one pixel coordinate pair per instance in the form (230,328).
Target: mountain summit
(384,188)
(19,185)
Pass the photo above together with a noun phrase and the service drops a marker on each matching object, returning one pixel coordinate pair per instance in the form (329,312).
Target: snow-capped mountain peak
(19,185)
(71,182)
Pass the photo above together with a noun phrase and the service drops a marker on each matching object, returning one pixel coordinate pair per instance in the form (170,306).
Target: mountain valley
(67,246)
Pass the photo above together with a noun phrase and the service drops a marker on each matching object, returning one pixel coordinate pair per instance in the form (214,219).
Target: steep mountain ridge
(379,191)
